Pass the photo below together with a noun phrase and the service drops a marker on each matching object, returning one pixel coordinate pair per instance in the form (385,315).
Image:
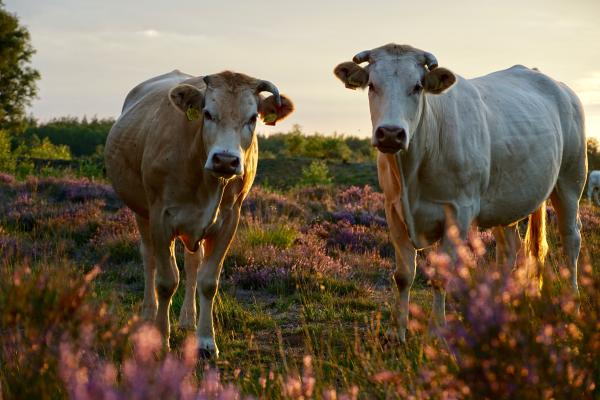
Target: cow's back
(145,109)
(536,135)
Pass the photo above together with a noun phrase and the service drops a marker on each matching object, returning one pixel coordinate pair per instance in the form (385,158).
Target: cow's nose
(225,163)
(390,139)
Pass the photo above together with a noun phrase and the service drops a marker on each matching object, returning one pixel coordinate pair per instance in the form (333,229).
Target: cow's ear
(352,75)
(270,112)
(188,99)
(438,80)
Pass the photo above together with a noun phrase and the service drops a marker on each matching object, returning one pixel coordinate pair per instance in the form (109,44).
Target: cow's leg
(449,246)
(508,245)
(150,305)
(187,316)
(167,276)
(566,204)
(404,276)
(438,311)
(215,248)
(404,273)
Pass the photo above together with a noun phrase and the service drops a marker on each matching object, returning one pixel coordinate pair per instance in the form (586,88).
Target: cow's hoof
(206,354)
(207,349)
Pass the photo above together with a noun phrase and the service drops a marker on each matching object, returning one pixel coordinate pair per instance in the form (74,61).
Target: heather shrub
(39,308)
(268,206)
(74,190)
(279,270)
(317,199)
(505,338)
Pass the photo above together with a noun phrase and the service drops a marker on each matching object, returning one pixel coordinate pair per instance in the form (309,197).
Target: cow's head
(228,108)
(398,78)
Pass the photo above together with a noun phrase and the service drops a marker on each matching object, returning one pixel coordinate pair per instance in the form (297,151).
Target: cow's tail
(535,239)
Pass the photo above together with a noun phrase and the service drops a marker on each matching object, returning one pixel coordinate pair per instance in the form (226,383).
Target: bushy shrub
(316,173)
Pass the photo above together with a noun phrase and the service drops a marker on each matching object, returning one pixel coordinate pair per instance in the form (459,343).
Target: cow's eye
(371,86)
(208,116)
(417,89)
(252,120)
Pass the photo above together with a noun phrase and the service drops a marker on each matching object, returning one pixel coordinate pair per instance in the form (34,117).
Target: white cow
(183,156)
(594,187)
(490,150)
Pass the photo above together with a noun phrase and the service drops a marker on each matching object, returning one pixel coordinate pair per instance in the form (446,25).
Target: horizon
(91,54)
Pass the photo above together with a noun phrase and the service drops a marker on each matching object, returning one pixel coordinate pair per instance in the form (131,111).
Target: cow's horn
(430,61)
(266,86)
(362,56)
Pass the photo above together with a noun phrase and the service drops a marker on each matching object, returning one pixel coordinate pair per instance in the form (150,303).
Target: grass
(307,274)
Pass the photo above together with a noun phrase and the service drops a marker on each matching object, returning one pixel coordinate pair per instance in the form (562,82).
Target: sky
(91,53)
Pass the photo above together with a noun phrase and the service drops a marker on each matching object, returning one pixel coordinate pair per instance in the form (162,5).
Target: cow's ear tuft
(352,75)
(188,99)
(438,80)
(270,112)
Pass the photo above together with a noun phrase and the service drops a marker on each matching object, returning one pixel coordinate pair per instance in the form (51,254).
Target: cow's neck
(409,163)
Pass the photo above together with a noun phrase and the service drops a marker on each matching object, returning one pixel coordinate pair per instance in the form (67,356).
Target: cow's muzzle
(225,165)
(390,139)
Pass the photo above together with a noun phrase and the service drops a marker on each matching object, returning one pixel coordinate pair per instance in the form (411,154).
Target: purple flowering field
(302,308)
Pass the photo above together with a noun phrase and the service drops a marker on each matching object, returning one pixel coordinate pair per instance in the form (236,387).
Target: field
(302,308)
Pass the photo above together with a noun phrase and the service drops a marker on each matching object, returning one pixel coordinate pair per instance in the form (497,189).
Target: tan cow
(183,156)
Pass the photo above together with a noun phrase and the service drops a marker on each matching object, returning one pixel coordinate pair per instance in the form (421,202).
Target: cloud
(149,33)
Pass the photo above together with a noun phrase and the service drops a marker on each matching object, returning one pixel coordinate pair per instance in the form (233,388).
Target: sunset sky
(91,53)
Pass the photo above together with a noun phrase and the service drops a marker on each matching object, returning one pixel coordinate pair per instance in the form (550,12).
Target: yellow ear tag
(352,83)
(192,114)
(270,119)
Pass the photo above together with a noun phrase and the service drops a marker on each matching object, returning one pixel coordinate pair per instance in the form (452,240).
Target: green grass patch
(280,235)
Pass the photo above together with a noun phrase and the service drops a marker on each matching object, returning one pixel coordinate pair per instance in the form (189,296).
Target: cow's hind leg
(457,227)
(150,305)
(508,245)
(565,199)
(187,316)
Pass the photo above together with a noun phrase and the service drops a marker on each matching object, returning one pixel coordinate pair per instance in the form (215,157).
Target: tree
(17,77)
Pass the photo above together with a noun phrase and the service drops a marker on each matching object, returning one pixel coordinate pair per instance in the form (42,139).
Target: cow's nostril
(235,162)
(401,135)
(379,134)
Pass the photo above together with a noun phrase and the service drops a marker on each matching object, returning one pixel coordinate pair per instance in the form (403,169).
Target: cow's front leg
(167,277)
(404,274)
(187,316)
(215,248)
(150,305)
